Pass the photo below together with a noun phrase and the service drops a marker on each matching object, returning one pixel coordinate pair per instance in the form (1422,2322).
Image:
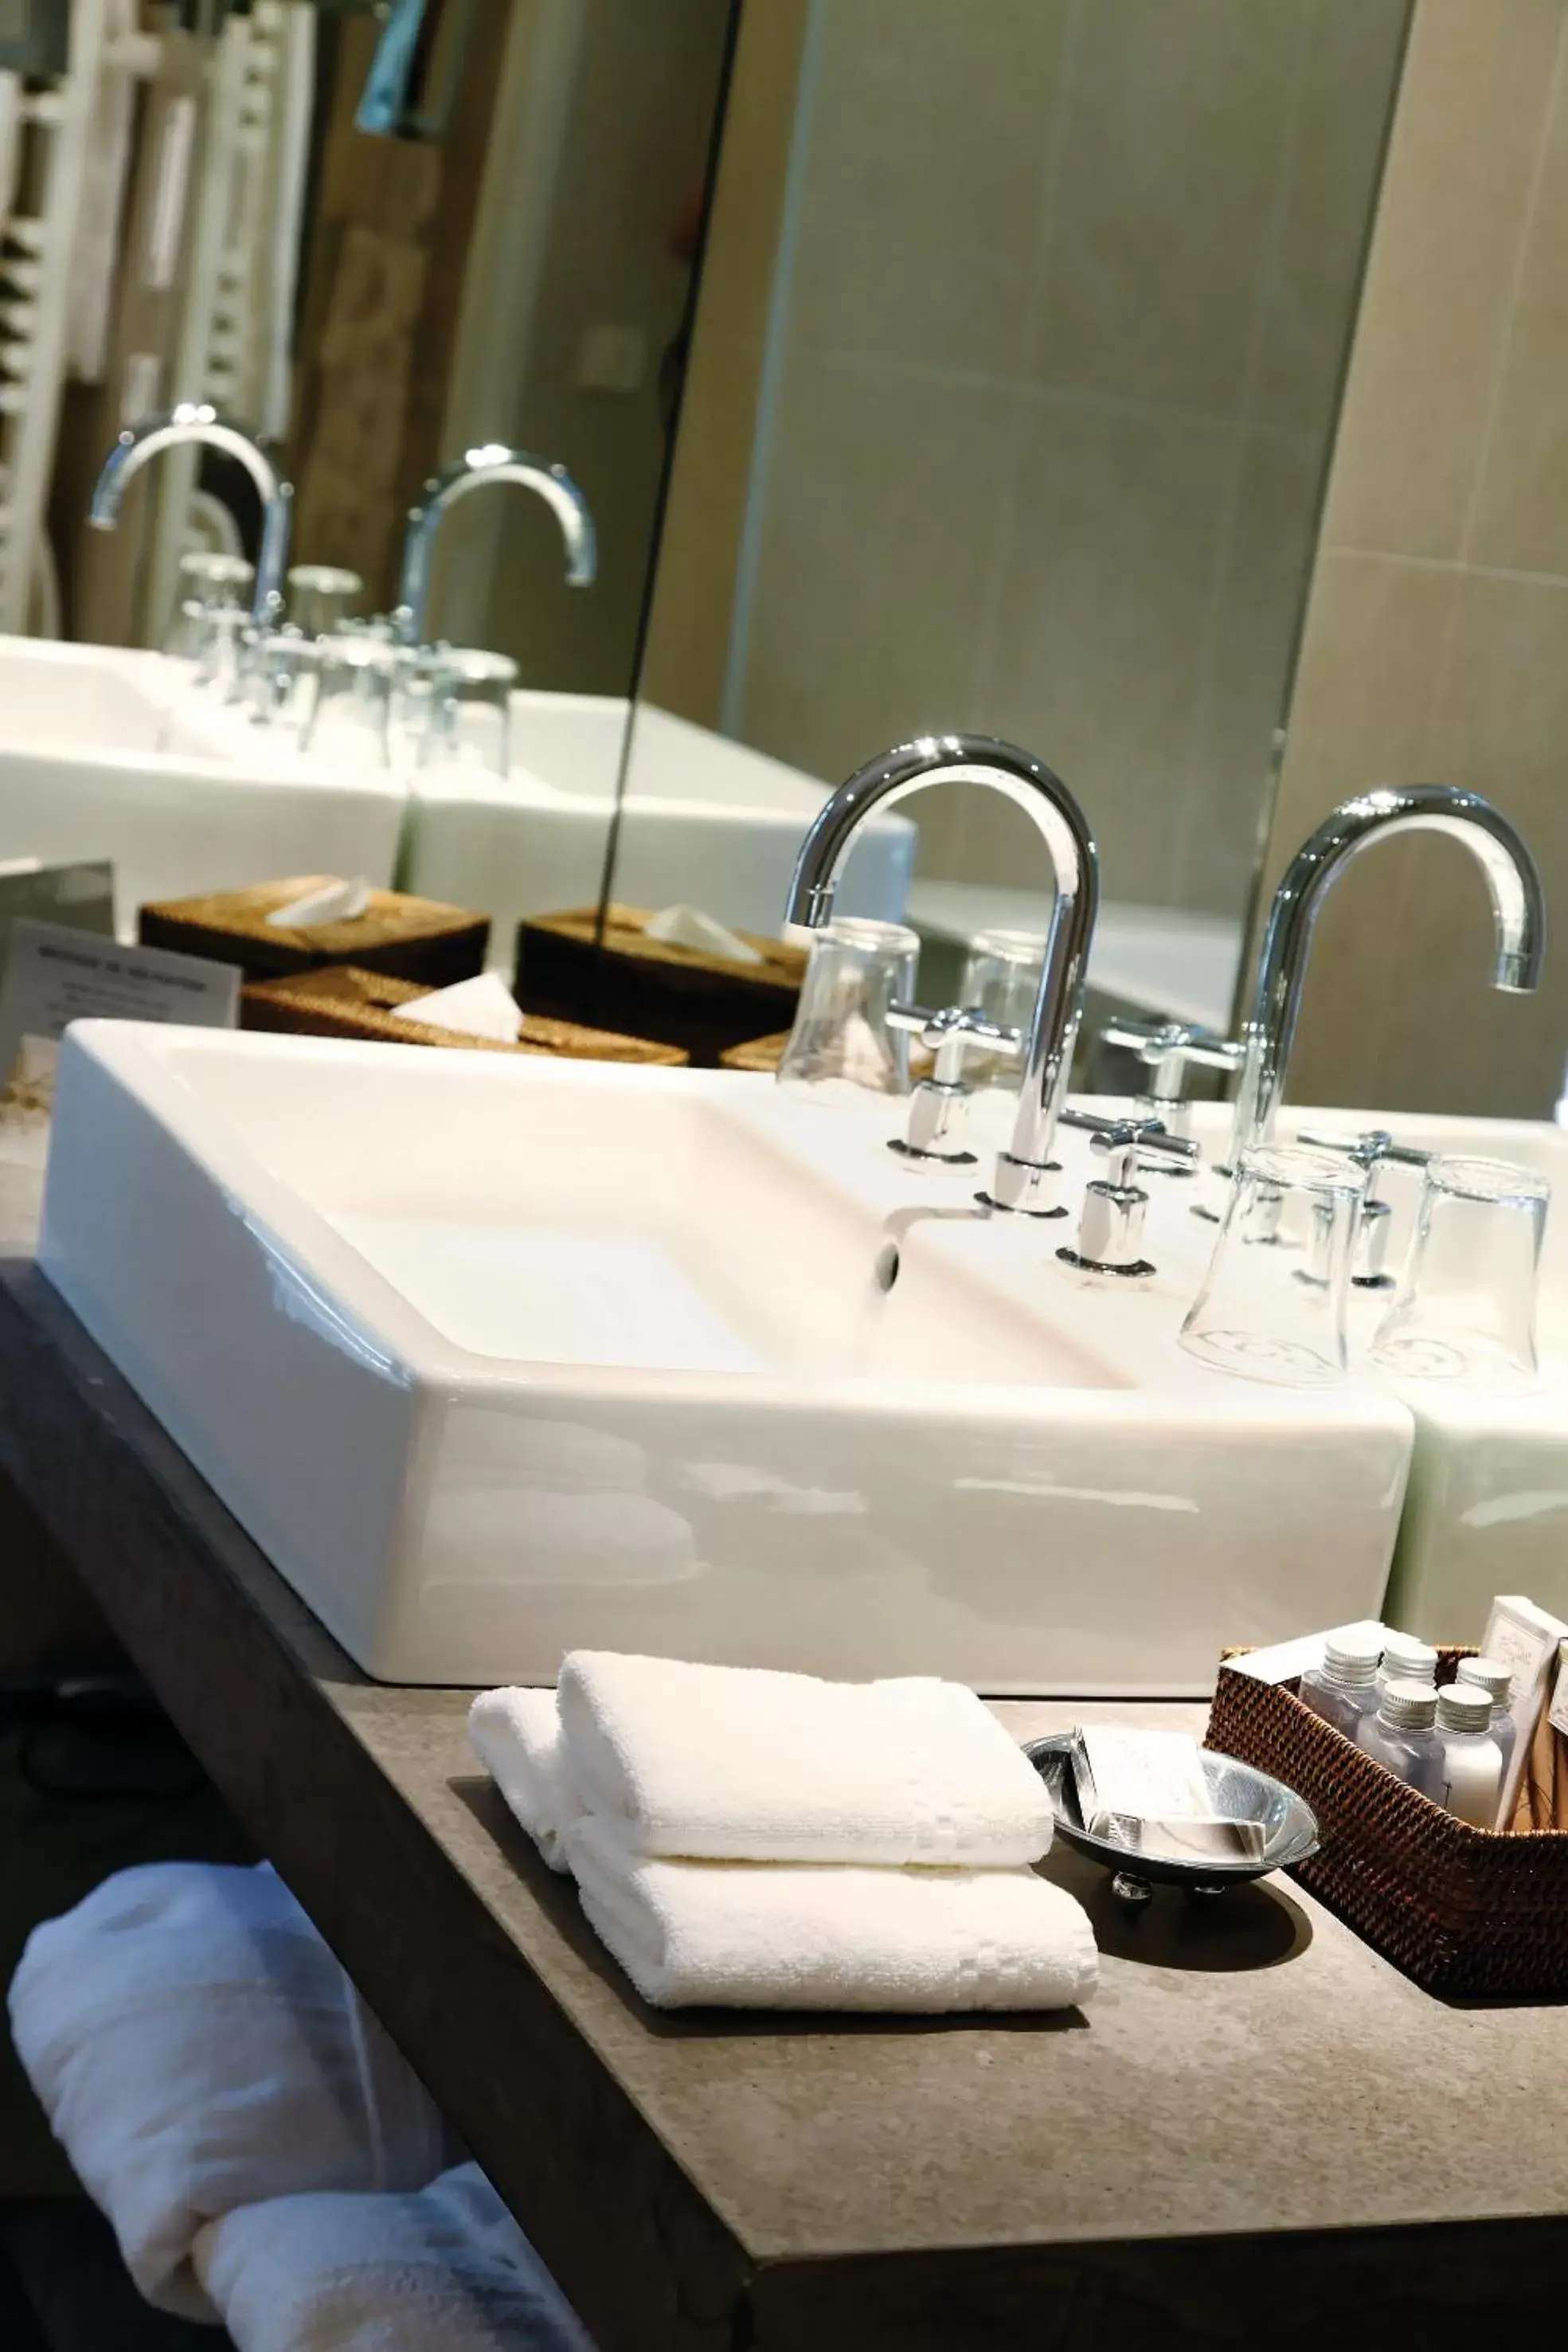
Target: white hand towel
(196,2047)
(801,1935)
(736,1764)
(446,2270)
(515,1735)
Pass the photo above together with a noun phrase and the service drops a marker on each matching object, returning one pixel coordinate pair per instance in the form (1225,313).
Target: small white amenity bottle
(1401,1737)
(1344,1687)
(1491,1675)
(1473,1761)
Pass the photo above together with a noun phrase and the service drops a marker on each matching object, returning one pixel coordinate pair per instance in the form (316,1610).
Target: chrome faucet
(1519,910)
(491,462)
(1022,1173)
(190,422)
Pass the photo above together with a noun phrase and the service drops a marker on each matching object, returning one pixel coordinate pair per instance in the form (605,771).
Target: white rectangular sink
(1487,1506)
(495,1357)
(85,774)
(705,821)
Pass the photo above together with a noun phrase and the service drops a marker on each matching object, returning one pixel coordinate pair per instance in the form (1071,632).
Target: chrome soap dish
(1255,1825)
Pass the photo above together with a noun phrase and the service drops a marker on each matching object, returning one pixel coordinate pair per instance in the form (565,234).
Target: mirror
(378,238)
(1016,368)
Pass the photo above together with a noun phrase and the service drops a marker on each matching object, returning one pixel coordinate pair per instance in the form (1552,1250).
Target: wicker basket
(1462,1910)
(421,939)
(762,1055)
(626,980)
(344,1003)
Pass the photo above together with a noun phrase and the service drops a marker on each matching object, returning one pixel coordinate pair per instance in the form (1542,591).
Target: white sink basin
(1488,1505)
(705,820)
(82,776)
(495,1357)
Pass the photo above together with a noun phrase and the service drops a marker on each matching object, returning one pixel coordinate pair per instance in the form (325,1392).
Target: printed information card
(55,974)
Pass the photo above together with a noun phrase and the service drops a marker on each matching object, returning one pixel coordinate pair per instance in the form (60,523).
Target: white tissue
(481,1007)
(688,927)
(334,902)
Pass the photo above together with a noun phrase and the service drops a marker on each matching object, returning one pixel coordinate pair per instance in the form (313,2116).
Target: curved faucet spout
(1031,785)
(196,422)
(491,462)
(1512,876)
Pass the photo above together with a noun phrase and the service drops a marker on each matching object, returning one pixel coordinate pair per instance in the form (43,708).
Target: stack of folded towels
(745,1839)
(264,2154)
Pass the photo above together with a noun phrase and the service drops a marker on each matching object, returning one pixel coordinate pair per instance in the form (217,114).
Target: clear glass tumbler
(211,615)
(212,582)
(841,1041)
(467,721)
(1465,1307)
(1001,979)
(350,713)
(1272,1305)
(321,597)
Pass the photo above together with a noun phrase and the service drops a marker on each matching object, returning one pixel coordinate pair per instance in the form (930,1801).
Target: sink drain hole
(885,1272)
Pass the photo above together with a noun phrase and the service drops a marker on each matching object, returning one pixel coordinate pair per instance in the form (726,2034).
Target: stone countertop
(1252,2102)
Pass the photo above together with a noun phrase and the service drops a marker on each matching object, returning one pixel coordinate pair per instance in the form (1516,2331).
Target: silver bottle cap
(1407,1660)
(1349,1668)
(1464,1706)
(1492,1676)
(1412,1706)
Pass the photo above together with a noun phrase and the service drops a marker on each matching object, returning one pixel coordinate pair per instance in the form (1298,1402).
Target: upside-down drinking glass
(1273,1302)
(841,1041)
(1465,1307)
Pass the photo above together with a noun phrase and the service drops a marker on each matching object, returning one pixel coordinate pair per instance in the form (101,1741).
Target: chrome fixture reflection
(492,461)
(1022,1172)
(1111,1222)
(197,423)
(1519,909)
(1166,1048)
(1371,1153)
(938,1106)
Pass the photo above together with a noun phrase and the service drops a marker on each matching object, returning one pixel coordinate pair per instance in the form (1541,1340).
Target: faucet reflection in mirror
(198,423)
(1512,877)
(491,462)
(1025,1169)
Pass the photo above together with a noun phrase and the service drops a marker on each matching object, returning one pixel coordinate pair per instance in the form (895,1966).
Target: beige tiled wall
(1071,286)
(1437,642)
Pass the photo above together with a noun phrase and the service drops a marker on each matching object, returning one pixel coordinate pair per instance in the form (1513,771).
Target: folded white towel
(196,2047)
(736,1764)
(445,2270)
(806,1936)
(515,1734)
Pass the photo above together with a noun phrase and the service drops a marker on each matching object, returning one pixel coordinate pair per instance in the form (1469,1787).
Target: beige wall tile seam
(1450,564)
(1049,205)
(1069,59)
(1192,839)
(1495,390)
(1075,399)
